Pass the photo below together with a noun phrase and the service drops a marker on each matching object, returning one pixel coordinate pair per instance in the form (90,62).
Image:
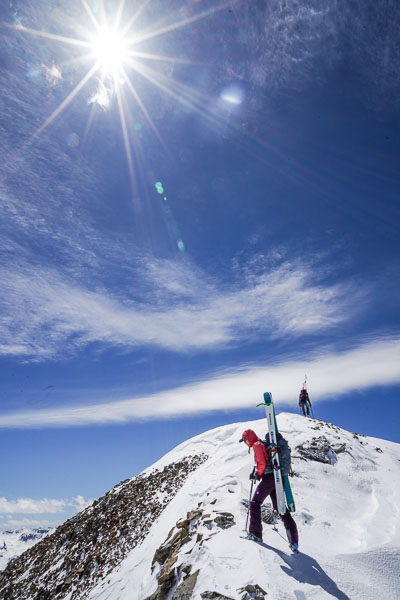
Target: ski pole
(312,412)
(248,508)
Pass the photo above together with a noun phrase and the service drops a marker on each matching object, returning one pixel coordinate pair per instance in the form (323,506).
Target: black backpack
(283,452)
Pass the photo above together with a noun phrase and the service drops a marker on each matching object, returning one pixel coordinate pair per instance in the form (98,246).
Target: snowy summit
(175,532)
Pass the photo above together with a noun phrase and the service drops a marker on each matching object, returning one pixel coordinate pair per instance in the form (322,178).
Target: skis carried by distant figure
(282,485)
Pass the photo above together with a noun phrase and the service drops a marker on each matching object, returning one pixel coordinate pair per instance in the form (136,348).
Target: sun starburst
(116,57)
(110,50)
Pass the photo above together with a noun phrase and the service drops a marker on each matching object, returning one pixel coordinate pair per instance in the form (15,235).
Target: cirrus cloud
(373,363)
(174,307)
(31,506)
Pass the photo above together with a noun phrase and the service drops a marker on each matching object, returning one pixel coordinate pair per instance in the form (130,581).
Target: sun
(110,51)
(120,66)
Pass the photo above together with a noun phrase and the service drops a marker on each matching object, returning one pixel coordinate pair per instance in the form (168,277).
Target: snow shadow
(306,569)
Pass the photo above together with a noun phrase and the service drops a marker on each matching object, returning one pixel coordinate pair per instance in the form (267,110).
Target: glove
(254,475)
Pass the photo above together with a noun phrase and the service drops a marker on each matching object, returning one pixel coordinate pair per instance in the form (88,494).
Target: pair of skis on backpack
(282,485)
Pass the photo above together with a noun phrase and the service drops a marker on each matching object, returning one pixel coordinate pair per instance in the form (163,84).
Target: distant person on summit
(264,473)
(304,402)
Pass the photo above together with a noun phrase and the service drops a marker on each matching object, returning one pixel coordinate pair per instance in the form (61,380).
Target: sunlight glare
(110,50)
(116,56)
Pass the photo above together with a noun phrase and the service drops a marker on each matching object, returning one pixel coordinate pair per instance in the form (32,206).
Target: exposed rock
(268,514)
(321,450)
(224,520)
(252,592)
(165,584)
(214,596)
(193,529)
(337,448)
(166,556)
(189,517)
(184,591)
(87,547)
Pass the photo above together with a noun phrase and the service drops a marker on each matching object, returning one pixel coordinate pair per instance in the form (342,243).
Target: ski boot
(253,538)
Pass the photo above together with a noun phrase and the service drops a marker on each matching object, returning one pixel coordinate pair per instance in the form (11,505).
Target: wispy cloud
(29,523)
(331,374)
(287,38)
(102,95)
(53,74)
(31,506)
(175,306)
(298,41)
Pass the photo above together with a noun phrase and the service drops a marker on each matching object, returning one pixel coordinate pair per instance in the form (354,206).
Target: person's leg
(288,521)
(264,488)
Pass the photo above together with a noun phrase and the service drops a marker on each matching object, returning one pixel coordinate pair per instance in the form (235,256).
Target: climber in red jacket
(263,472)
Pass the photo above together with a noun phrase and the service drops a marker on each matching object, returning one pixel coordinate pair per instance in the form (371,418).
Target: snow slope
(347,515)
(15,542)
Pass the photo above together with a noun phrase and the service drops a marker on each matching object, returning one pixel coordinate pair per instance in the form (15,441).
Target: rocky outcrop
(214,596)
(174,559)
(321,450)
(175,567)
(86,548)
(185,589)
(268,514)
(252,592)
(249,592)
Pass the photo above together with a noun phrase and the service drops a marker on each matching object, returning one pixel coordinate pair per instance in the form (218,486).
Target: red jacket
(260,454)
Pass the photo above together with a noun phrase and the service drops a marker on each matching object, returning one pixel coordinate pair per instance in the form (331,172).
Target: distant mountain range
(15,542)
(174,532)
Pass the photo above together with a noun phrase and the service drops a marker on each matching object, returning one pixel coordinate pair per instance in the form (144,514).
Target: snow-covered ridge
(346,488)
(346,514)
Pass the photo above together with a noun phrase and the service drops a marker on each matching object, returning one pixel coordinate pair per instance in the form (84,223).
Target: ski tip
(267,397)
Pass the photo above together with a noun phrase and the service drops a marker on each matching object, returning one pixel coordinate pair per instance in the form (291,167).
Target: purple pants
(266,488)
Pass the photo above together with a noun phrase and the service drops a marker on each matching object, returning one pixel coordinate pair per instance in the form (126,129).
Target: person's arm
(261,457)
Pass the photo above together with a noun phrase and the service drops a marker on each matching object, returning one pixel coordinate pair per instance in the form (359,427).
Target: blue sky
(197,208)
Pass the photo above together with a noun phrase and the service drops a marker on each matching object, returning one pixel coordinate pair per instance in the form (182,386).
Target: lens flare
(234,94)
